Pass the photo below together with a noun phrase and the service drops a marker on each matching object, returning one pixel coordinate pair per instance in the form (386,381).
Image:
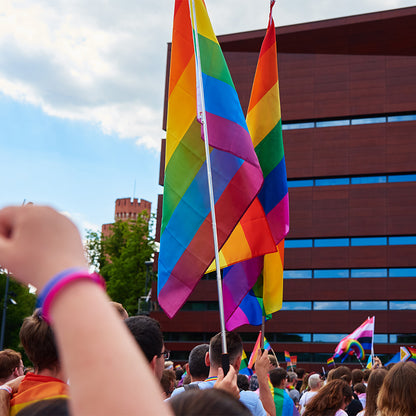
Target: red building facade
(348,99)
(127,209)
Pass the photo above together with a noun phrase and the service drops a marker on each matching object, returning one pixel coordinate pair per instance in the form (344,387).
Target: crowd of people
(90,358)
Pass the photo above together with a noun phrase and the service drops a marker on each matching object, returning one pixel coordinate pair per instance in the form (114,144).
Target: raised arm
(108,373)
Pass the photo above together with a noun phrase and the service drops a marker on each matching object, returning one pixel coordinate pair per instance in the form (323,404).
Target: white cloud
(104,62)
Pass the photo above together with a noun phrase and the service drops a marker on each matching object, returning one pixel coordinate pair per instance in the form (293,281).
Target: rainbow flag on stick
(287,357)
(358,341)
(330,362)
(253,355)
(244,365)
(186,243)
(255,287)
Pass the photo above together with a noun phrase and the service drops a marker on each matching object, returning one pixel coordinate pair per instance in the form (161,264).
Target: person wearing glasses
(148,335)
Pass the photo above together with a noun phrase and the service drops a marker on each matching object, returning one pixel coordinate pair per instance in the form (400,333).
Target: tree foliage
(15,313)
(120,258)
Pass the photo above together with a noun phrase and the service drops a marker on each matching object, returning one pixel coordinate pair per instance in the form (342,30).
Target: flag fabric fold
(364,334)
(242,305)
(253,355)
(186,243)
(244,366)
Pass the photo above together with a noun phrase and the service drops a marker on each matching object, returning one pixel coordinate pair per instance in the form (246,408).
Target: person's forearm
(4,403)
(100,357)
(266,396)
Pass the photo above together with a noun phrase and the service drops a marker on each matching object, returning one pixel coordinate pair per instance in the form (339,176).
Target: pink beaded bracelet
(58,282)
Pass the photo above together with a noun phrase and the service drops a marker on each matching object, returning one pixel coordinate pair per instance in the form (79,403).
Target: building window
(330,273)
(331,242)
(297,274)
(403,272)
(368,241)
(368,272)
(401,305)
(296,306)
(369,305)
(330,306)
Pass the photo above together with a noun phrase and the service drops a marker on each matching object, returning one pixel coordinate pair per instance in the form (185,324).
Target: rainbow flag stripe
(287,357)
(244,365)
(186,243)
(412,352)
(265,126)
(253,355)
(330,362)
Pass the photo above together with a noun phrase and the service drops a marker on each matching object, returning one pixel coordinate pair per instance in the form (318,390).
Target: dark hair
(277,376)
(234,348)
(38,342)
(196,362)
(242,382)
(147,334)
(207,402)
(375,382)
(357,376)
(47,407)
(9,360)
(329,399)
(397,395)
(343,373)
(359,388)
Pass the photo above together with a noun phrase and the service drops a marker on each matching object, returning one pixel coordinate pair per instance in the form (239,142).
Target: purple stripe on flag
(237,138)
(238,280)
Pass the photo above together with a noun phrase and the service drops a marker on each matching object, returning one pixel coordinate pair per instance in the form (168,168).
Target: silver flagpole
(211,193)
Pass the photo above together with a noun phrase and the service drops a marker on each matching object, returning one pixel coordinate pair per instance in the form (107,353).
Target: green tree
(23,305)
(120,258)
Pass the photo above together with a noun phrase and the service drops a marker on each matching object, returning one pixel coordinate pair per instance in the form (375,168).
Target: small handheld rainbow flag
(293,360)
(244,366)
(287,357)
(330,362)
(253,355)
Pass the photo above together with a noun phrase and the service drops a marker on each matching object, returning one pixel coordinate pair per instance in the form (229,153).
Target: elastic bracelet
(7,388)
(58,282)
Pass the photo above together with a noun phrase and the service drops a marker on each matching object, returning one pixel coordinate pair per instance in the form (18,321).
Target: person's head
(11,365)
(197,367)
(273,360)
(397,395)
(359,388)
(120,310)
(242,382)
(335,395)
(343,373)
(357,376)
(39,344)
(167,382)
(292,378)
(314,382)
(278,378)
(366,374)
(234,349)
(330,375)
(300,372)
(207,402)
(49,407)
(146,331)
(375,382)
(179,373)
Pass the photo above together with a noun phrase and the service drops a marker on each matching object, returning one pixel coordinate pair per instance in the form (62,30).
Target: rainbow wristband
(58,282)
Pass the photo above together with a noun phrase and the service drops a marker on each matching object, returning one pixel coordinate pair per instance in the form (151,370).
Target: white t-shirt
(304,400)
(341,412)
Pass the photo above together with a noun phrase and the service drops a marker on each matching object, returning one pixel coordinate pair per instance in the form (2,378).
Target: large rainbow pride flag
(255,287)
(186,243)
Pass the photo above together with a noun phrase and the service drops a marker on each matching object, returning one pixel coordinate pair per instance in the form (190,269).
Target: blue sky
(81,94)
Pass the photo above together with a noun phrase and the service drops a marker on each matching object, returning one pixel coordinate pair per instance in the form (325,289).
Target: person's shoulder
(253,402)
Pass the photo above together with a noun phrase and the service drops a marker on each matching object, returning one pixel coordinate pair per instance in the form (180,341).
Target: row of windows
(350,241)
(347,273)
(348,122)
(342,305)
(353,180)
(345,305)
(203,337)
